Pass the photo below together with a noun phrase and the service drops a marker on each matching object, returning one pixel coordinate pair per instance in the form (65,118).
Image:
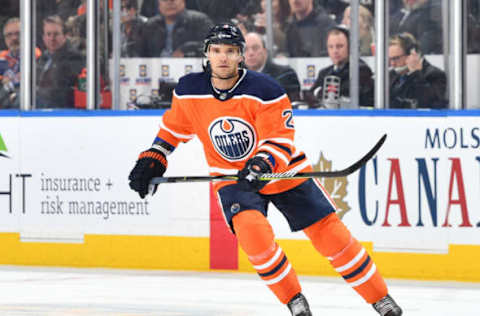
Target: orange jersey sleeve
(175,125)
(276,132)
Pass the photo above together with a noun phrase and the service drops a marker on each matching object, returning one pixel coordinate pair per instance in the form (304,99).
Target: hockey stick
(281,176)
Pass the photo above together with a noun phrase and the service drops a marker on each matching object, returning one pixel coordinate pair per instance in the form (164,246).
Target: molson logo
(336,187)
(3,148)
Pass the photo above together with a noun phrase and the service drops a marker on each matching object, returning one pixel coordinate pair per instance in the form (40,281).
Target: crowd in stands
(301,28)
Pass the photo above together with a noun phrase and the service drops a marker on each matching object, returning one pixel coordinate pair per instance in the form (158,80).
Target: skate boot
(298,306)
(387,307)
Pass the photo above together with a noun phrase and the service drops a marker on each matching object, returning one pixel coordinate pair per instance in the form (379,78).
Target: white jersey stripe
(271,261)
(275,152)
(178,135)
(280,277)
(352,262)
(163,150)
(365,278)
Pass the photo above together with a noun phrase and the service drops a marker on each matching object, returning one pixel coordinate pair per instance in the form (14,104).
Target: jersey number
(289,120)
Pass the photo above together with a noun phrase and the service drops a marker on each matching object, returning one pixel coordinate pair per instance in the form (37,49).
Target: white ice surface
(28,291)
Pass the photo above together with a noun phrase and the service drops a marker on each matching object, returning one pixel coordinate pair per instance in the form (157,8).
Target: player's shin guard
(347,256)
(256,238)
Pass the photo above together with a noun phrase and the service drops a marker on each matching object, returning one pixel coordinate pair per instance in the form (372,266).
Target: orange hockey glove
(151,163)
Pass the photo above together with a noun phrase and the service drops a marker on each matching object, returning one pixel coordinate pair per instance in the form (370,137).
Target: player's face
(337,45)
(224,60)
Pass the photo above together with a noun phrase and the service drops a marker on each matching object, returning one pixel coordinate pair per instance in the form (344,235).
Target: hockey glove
(151,163)
(248,177)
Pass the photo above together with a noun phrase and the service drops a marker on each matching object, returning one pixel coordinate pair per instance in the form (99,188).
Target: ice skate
(387,307)
(298,305)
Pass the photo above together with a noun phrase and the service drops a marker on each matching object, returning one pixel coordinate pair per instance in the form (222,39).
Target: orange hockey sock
(255,236)
(347,256)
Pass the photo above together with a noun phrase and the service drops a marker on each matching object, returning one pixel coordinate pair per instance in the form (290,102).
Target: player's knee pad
(329,236)
(254,232)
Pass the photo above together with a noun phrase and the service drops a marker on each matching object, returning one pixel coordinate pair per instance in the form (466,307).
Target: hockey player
(244,121)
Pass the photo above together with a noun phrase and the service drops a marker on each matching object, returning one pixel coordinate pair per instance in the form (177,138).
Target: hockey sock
(348,257)
(255,236)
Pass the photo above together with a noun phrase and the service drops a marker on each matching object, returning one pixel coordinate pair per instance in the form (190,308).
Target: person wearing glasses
(10,75)
(414,82)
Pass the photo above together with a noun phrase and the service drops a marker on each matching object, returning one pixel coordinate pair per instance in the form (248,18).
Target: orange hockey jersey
(255,115)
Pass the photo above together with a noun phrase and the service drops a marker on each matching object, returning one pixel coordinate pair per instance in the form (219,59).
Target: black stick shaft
(314,174)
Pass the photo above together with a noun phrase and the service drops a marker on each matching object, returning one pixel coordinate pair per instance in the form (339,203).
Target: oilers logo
(232,137)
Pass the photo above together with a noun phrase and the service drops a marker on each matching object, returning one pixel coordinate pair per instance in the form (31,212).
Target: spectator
(422,19)
(218,10)
(332,86)
(311,24)
(57,68)
(337,7)
(334,8)
(257,59)
(43,9)
(68,8)
(280,11)
(175,32)
(473,27)
(76,33)
(8,9)
(366,30)
(11,8)
(10,60)
(245,19)
(131,28)
(149,8)
(414,82)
